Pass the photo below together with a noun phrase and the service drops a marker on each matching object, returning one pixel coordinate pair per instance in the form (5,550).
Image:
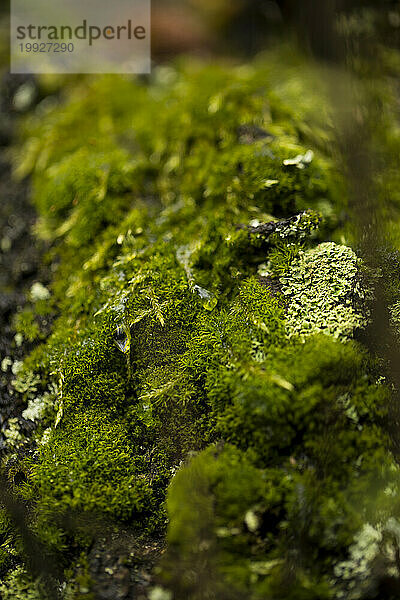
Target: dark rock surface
(19,252)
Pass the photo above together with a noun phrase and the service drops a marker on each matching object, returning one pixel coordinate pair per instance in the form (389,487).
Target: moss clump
(180,256)
(210,502)
(93,469)
(19,586)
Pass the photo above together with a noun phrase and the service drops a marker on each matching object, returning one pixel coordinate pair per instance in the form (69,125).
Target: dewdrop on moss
(121,339)
(208,299)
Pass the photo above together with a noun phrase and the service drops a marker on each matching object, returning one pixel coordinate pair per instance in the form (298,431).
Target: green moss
(19,586)
(8,550)
(269,515)
(210,502)
(236,530)
(188,286)
(91,466)
(26,325)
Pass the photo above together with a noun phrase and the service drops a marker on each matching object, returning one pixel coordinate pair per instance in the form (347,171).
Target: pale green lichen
(373,554)
(300,160)
(323,292)
(25,382)
(13,434)
(6,363)
(39,292)
(40,406)
(159,593)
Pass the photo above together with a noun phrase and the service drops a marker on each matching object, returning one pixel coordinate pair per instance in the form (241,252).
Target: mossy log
(204,377)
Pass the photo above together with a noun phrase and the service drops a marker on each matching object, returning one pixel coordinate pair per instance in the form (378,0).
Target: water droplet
(208,299)
(121,339)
